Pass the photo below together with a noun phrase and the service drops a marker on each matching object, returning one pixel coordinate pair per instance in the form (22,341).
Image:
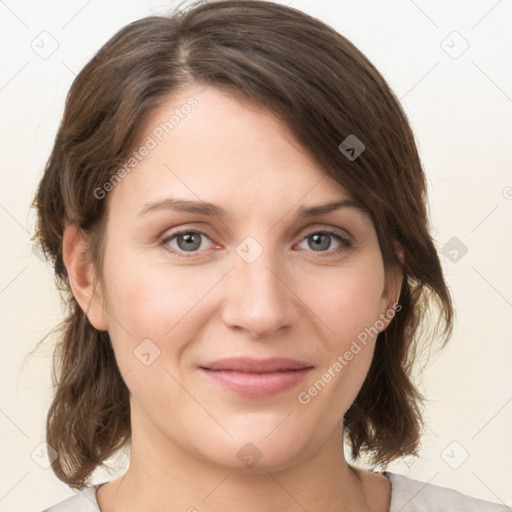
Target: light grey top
(407,495)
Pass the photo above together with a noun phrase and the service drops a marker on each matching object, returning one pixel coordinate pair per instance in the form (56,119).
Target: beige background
(461,111)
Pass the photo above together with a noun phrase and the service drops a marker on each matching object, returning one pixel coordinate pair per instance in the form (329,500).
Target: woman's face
(260,281)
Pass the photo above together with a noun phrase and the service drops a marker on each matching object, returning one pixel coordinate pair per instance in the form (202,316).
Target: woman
(235,368)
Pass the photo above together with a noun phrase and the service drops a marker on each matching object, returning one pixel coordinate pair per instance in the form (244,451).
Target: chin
(255,451)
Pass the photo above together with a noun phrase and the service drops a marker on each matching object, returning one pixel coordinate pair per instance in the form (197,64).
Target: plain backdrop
(450,63)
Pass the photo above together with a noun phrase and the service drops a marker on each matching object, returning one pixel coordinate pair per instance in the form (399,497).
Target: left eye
(191,241)
(321,240)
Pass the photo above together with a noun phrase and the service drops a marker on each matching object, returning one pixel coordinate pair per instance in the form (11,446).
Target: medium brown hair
(324,89)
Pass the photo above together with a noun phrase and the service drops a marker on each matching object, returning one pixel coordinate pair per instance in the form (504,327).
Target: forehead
(204,143)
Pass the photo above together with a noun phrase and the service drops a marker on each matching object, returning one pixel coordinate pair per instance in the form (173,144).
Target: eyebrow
(213,210)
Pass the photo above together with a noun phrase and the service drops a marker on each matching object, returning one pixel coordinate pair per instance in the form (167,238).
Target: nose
(258,299)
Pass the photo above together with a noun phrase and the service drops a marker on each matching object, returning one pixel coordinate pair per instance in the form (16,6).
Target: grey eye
(186,241)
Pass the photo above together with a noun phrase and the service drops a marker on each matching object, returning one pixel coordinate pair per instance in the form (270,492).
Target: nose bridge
(258,300)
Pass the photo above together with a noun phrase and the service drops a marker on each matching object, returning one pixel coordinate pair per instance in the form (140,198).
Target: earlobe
(81,275)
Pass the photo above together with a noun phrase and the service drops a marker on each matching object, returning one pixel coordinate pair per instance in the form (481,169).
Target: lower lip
(257,385)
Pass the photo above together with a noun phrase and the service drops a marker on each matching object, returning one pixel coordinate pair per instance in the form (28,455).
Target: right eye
(183,241)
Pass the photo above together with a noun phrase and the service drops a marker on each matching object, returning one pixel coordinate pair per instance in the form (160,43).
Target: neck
(164,476)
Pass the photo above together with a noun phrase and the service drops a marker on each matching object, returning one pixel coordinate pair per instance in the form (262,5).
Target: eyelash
(345,244)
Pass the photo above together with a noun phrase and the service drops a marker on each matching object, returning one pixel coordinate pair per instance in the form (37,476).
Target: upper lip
(249,365)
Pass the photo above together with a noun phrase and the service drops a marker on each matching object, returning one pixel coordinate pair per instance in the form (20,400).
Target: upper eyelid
(191,228)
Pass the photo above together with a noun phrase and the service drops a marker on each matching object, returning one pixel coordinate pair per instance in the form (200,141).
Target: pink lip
(257,378)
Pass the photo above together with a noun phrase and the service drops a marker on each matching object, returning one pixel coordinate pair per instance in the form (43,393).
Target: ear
(394,279)
(393,286)
(82,276)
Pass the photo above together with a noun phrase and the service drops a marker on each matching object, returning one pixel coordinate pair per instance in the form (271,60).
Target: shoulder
(83,501)
(409,495)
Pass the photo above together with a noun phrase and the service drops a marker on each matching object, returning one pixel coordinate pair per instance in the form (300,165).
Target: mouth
(256,378)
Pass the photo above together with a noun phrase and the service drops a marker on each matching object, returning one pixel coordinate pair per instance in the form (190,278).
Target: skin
(209,304)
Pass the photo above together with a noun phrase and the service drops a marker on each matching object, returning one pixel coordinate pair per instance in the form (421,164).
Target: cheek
(154,301)
(349,301)
(349,306)
(151,298)
(171,304)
